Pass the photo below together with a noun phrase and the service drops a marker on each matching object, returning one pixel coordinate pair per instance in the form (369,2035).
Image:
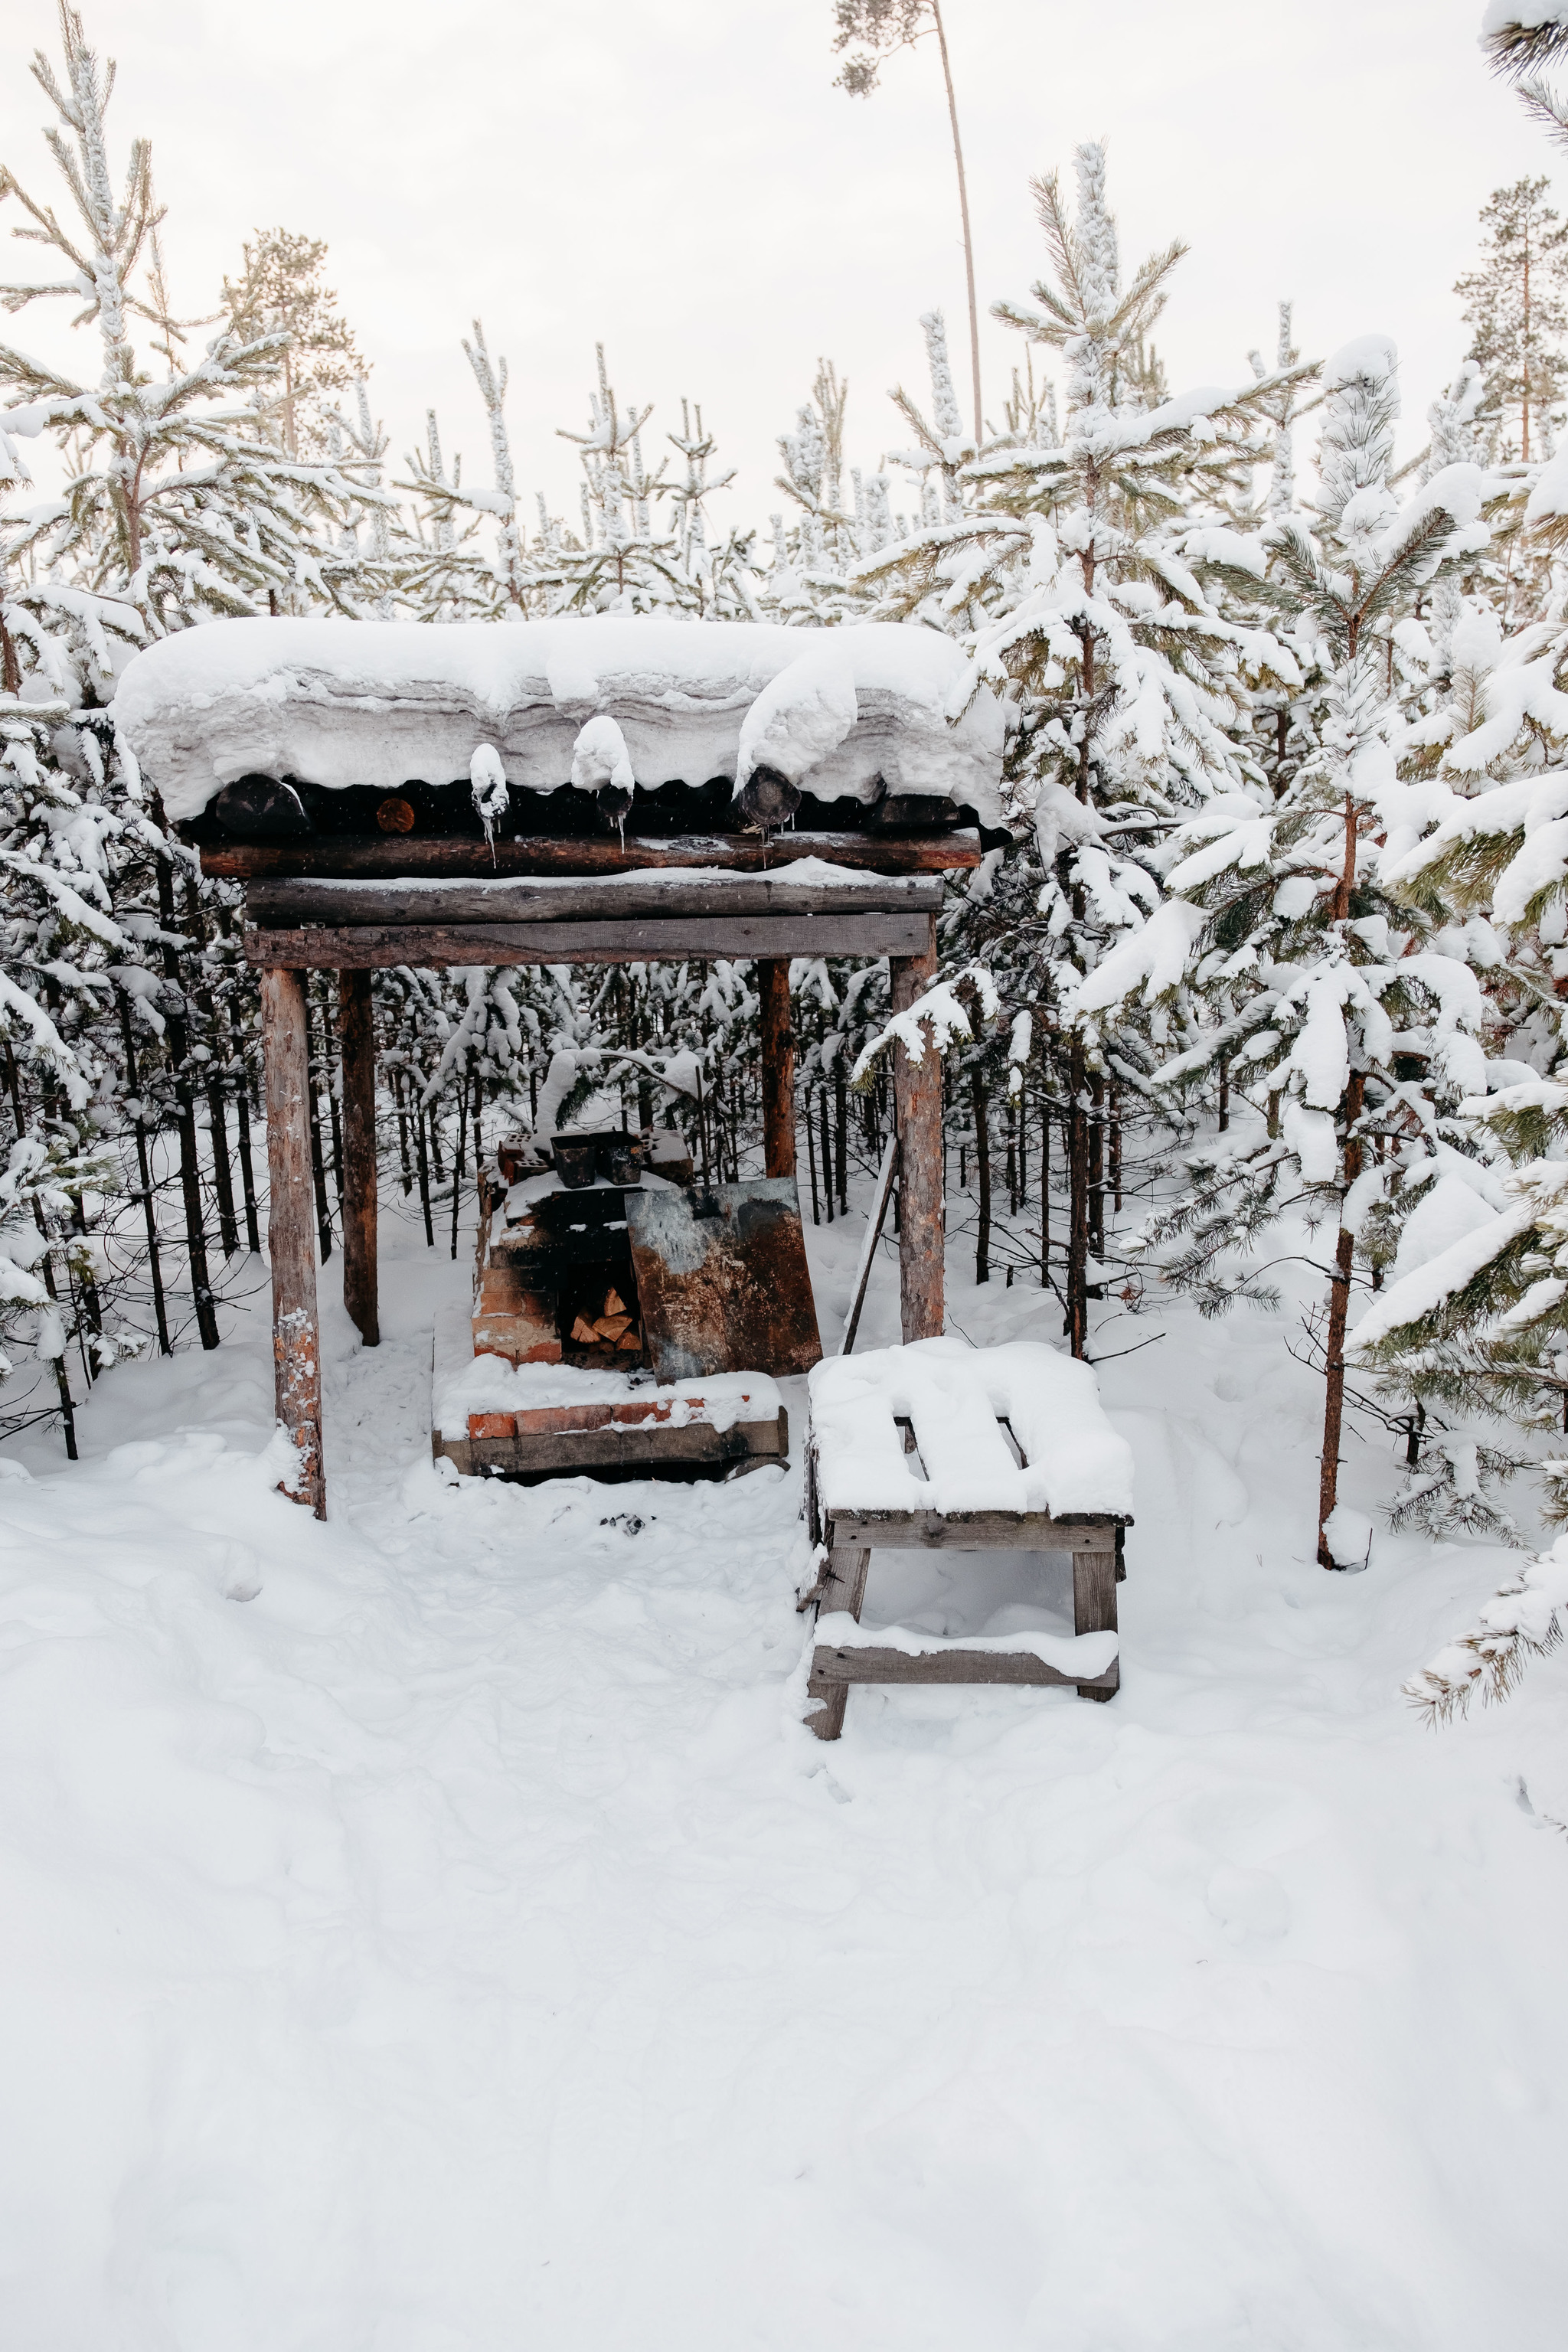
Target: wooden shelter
(374,881)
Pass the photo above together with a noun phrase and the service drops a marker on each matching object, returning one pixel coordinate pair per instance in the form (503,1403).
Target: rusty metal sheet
(722,1279)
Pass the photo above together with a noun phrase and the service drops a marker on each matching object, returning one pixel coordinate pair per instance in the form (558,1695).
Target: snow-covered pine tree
(1337,1011)
(1069,583)
(279,290)
(174,501)
(624,562)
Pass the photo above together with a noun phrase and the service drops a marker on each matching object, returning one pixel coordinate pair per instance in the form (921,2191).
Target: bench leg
(1094,1608)
(843,1587)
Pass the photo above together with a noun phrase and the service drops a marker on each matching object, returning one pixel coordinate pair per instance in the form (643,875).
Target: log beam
(917,1094)
(409,854)
(357,1036)
(778,1068)
(296,1335)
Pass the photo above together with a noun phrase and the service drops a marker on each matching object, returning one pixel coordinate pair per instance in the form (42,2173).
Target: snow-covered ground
(433,1932)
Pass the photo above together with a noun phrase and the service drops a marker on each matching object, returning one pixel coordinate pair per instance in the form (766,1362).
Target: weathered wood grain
(640,939)
(836,1669)
(1094,1607)
(342,900)
(917,1091)
(972,1531)
(290,1239)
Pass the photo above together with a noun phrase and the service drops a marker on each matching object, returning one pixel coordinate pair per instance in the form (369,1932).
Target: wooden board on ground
(722,1279)
(648,1450)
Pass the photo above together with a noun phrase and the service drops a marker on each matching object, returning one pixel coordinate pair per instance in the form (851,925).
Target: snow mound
(382,703)
(954,1395)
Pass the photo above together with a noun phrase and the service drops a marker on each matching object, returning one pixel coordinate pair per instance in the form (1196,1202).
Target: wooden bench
(1019,1424)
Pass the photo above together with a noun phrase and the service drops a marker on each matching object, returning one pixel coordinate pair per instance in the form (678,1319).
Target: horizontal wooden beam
(969,1531)
(950,1665)
(638,940)
(645,1450)
(326,855)
(344,901)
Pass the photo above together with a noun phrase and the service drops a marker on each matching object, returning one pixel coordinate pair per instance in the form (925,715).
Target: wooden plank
(778,1067)
(406,854)
(972,1531)
(917,1090)
(1094,1607)
(290,1240)
(841,1667)
(357,1031)
(843,1587)
(641,940)
(413,898)
(565,1453)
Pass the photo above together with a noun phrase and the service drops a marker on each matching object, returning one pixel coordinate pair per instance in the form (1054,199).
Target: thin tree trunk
(424,1158)
(826,1153)
(331,1078)
(982,1175)
(402,1131)
(459,1161)
(318,1167)
(1339,1312)
(1116,1150)
(1012,1160)
(1097,1164)
(247,1172)
(841,1138)
(144,1169)
(810,1160)
(1045,1195)
(963,213)
(179,1044)
(212,1087)
(1224,1094)
(1077,1213)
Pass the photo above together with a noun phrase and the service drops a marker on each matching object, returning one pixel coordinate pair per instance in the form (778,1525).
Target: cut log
(767,800)
(339,903)
(260,808)
(547,854)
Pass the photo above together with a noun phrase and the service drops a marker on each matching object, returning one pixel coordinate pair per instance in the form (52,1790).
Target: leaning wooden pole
(778,1068)
(917,1092)
(290,1237)
(357,1036)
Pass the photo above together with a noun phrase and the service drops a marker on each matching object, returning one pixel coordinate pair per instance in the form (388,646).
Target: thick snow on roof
(338,703)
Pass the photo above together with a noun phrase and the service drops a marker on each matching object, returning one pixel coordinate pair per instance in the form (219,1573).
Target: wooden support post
(778,1068)
(290,1241)
(357,1034)
(843,1587)
(1094,1610)
(917,1087)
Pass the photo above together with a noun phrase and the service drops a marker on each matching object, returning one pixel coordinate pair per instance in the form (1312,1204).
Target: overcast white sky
(680,178)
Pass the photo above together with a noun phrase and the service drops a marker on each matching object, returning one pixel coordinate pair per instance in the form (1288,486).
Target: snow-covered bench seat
(940,1445)
(490,1417)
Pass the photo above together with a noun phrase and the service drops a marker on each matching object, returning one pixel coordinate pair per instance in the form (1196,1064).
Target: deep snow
(432,1932)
